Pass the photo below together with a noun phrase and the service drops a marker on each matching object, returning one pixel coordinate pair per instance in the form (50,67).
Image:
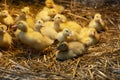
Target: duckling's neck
(57,26)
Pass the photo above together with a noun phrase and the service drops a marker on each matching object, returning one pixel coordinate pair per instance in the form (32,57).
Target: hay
(101,61)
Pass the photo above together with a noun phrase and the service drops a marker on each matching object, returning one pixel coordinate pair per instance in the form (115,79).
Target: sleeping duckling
(51,4)
(62,36)
(32,38)
(97,23)
(89,36)
(46,14)
(5,38)
(6,18)
(69,50)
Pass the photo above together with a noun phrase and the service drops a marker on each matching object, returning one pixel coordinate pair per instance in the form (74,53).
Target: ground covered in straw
(100,62)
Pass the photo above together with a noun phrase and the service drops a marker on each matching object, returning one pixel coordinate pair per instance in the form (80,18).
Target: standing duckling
(5,38)
(69,50)
(88,36)
(97,23)
(51,4)
(26,16)
(6,18)
(32,38)
(62,36)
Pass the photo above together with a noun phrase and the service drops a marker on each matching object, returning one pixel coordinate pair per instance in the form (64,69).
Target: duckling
(97,23)
(72,25)
(51,4)
(5,39)
(89,36)
(69,50)
(25,15)
(32,38)
(46,14)
(56,24)
(50,30)
(6,18)
(62,36)
(26,10)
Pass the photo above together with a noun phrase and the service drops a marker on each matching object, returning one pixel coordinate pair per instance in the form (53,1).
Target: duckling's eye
(58,17)
(67,31)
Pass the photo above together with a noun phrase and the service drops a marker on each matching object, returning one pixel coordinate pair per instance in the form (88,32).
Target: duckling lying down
(69,50)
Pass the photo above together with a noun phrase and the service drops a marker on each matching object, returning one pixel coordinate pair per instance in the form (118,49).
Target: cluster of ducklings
(50,26)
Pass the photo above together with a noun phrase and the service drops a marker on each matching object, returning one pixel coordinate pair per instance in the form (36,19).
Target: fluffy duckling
(56,24)
(46,14)
(72,25)
(5,38)
(89,36)
(6,18)
(51,4)
(97,23)
(69,50)
(49,31)
(31,38)
(26,10)
(62,36)
(25,15)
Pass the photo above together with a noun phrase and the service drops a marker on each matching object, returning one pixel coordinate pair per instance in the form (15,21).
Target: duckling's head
(4,27)
(92,32)
(97,17)
(52,12)
(66,32)
(50,3)
(4,13)
(60,18)
(22,25)
(2,31)
(63,46)
(26,10)
(38,25)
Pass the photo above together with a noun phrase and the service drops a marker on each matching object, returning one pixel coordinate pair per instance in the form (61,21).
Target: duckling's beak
(92,33)
(63,20)
(70,34)
(4,31)
(54,5)
(14,26)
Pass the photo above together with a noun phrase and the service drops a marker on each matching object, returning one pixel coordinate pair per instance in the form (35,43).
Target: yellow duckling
(97,23)
(25,15)
(26,10)
(6,18)
(5,38)
(46,14)
(51,4)
(62,36)
(32,38)
(89,36)
(69,50)
(56,24)
(72,25)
